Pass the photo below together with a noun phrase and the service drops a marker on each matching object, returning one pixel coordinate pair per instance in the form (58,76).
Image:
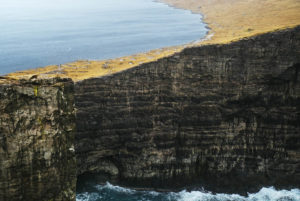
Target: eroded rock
(36,135)
(223,116)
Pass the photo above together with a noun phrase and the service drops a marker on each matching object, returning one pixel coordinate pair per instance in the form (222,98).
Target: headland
(219,114)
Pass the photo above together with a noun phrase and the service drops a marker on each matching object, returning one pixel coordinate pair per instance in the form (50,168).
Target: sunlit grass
(83,69)
(229,20)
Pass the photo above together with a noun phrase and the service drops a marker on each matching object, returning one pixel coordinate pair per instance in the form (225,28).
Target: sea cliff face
(224,116)
(37,157)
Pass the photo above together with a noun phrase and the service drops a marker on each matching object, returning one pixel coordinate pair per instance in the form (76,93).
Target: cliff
(37,157)
(223,116)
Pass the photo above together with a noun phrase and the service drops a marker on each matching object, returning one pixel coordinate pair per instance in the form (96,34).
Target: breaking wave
(116,193)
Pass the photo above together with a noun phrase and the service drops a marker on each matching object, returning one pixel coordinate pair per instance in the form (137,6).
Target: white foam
(271,194)
(119,189)
(208,196)
(82,196)
(265,194)
(88,196)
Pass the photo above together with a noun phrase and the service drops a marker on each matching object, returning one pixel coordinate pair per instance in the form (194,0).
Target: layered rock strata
(224,116)
(37,157)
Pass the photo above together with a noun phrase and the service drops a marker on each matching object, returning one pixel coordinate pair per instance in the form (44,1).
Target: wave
(265,194)
(117,193)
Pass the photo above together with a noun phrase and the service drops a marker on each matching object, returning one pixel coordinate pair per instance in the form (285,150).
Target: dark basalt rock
(226,117)
(223,116)
(37,157)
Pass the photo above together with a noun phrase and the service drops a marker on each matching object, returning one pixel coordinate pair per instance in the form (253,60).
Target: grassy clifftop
(229,20)
(84,69)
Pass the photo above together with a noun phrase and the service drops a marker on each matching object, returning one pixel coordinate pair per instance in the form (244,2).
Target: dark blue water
(110,192)
(35,33)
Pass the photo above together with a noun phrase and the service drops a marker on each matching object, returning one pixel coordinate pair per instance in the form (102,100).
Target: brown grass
(83,69)
(229,20)
(232,20)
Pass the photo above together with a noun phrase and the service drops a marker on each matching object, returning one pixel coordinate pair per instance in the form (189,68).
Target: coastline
(227,22)
(221,116)
(231,20)
(209,33)
(82,69)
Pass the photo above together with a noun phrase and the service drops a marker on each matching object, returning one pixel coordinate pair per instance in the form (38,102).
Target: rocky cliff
(224,116)
(37,157)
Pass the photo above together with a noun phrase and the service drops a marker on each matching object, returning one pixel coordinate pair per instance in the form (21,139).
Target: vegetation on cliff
(228,20)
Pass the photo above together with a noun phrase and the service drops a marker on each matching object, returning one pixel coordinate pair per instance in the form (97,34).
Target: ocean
(37,33)
(109,192)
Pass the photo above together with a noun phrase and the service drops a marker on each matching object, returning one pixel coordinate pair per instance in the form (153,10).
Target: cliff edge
(228,20)
(221,116)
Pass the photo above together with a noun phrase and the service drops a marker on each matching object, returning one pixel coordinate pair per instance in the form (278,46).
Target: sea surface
(109,192)
(36,33)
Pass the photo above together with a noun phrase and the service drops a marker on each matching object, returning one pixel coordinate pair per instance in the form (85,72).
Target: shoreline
(86,69)
(224,26)
(231,20)
(209,32)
